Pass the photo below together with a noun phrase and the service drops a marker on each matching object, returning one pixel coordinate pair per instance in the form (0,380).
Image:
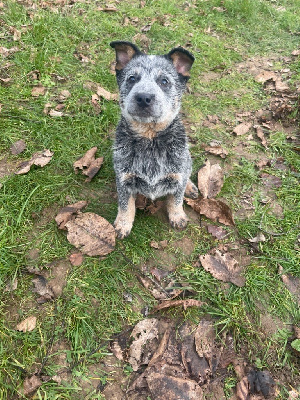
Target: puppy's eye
(164,81)
(131,79)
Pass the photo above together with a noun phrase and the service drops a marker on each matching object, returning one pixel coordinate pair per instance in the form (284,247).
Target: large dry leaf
(175,303)
(27,325)
(88,164)
(91,234)
(223,267)
(242,128)
(40,159)
(30,385)
(164,387)
(210,180)
(69,212)
(144,331)
(213,209)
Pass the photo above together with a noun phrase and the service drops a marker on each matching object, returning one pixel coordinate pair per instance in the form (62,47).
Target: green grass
(92,307)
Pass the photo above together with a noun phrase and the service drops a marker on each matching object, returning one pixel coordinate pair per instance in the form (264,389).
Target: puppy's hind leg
(125,217)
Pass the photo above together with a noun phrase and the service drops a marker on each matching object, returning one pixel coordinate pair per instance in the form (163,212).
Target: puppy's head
(151,86)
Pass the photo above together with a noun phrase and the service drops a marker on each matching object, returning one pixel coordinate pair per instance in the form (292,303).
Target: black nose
(144,99)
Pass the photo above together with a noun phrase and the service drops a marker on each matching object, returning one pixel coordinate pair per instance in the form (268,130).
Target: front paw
(179,221)
(122,228)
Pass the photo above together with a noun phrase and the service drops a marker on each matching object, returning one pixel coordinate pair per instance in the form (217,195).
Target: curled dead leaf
(210,180)
(175,303)
(67,213)
(216,150)
(91,234)
(213,209)
(88,164)
(107,95)
(39,159)
(223,267)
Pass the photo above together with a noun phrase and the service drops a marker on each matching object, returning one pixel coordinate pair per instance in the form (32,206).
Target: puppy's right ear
(125,51)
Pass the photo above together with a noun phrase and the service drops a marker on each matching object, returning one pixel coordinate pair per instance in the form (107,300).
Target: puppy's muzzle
(144,100)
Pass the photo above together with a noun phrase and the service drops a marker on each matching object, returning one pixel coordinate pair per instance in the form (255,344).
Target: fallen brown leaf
(242,128)
(110,8)
(210,180)
(216,150)
(40,159)
(76,259)
(107,95)
(27,325)
(91,234)
(159,245)
(217,231)
(260,134)
(89,165)
(154,206)
(223,267)
(213,209)
(204,340)
(30,385)
(140,201)
(265,76)
(38,91)
(64,94)
(175,303)
(164,387)
(67,213)
(54,113)
(42,288)
(18,147)
(144,331)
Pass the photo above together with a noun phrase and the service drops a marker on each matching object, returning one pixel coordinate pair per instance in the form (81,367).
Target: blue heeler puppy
(151,154)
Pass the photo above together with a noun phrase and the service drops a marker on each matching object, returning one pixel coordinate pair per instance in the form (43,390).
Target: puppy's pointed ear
(182,60)
(125,51)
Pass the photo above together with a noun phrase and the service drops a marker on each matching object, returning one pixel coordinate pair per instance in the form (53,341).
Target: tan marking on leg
(191,190)
(124,220)
(177,216)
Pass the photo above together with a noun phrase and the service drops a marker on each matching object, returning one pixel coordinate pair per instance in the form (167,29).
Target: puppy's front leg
(178,218)
(126,213)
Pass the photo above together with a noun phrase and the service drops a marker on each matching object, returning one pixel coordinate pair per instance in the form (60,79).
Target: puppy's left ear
(182,60)
(125,51)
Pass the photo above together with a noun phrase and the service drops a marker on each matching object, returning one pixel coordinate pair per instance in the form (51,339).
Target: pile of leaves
(186,362)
